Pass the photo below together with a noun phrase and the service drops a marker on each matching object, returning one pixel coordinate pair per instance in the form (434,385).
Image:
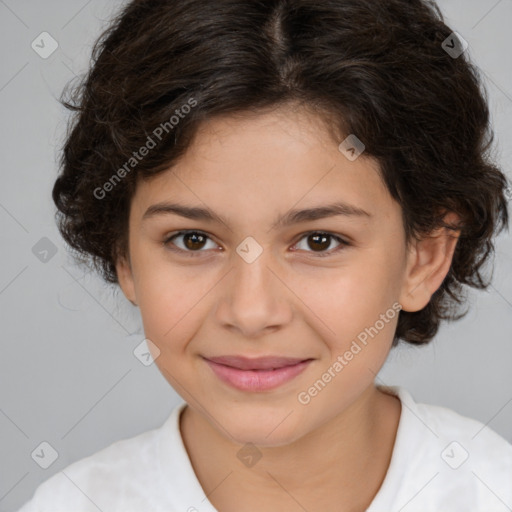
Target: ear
(125,278)
(428,262)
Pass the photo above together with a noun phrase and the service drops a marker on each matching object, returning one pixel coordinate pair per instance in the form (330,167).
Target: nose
(254,298)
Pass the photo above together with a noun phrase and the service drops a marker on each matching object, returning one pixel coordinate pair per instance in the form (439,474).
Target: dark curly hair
(380,70)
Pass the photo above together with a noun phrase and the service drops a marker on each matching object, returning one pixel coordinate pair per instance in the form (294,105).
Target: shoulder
(460,460)
(118,477)
(483,445)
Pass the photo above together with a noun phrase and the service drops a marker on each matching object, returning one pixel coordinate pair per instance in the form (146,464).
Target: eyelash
(167,243)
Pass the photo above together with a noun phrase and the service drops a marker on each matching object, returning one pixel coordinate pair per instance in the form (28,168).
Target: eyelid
(343,243)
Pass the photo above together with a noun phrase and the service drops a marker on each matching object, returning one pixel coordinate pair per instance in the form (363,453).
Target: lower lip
(257,380)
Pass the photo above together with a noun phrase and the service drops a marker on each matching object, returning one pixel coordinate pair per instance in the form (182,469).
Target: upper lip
(259,363)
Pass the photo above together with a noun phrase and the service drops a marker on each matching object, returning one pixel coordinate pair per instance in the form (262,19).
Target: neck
(345,458)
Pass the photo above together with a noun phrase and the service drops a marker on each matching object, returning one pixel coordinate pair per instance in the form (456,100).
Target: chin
(268,433)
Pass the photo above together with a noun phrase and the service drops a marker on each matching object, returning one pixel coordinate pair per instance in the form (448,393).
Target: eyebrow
(289,218)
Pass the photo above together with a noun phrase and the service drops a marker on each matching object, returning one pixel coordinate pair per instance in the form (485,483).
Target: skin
(333,453)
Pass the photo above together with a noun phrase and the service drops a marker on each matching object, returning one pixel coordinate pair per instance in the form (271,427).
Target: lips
(257,374)
(260,363)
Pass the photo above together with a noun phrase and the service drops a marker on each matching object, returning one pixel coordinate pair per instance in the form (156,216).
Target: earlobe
(428,262)
(126,281)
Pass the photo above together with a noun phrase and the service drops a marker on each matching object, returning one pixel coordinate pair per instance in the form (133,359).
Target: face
(258,278)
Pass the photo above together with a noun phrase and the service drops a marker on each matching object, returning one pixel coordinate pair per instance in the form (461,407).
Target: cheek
(163,298)
(352,298)
(173,302)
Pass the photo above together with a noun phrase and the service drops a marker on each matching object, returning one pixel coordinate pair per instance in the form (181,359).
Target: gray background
(68,374)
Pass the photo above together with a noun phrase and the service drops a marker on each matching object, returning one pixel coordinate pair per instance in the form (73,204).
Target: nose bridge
(254,298)
(251,263)
(252,276)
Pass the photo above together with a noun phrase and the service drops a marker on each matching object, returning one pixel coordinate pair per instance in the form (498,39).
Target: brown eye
(318,242)
(191,241)
(194,241)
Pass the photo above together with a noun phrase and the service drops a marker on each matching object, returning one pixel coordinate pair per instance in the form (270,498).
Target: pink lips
(256,374)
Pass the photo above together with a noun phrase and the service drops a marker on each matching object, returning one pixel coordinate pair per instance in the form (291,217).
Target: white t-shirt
(441,461)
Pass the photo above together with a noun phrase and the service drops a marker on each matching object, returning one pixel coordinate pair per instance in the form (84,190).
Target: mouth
(258,374)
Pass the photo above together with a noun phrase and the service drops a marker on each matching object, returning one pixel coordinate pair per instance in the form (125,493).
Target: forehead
(281,158)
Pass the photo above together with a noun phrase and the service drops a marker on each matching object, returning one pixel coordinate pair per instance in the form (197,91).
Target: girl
(286,189)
